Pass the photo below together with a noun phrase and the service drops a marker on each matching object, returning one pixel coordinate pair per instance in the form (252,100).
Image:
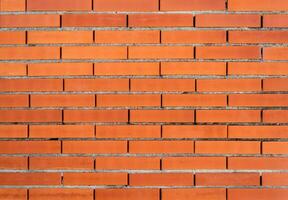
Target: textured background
(143,99)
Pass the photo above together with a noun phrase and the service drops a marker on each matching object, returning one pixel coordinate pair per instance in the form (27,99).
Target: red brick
(275,20)
(126,5)
(127,194)
(12,5)
(263,194)
(99,20)
(94,147)
(163,179)
(275,147)
(12,69)
(275,53)
(275,179)
(128,131)
(44,147)
(127,163)
(177,163)
(13,163)
(183,5)
(195,194)
(18,179)
(275,116)
(60,69)
(225,20)
(193,68)
(96,84)
(161,147)
(275,84)
(69,163)
(228,52)
(30,116)
(258,36)
(95,178)
(61,131)
(233,85)
(96,116)
(15,194)
(63,194)
(14,100)
(126,69)
(17,37)
(13,131)
(227,179)
(20,21)
(227,147)
(255,5)
(191,131)
(160,20)
(54,5)
(162,116)
(163,85)
(94,52)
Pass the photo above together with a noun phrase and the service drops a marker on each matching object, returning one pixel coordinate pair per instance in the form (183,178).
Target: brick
(125,37)
(94,147)
(12,5)
(161,147)
(259,163)
(17,37)
(15,194)
(194,100)
(187,163)
(275,148)
(95,179)
(275,84)
(127,100)
(160,20)
(233,85)
(126,5)
(21,21)
(228,52)
(61,5)
(257,131)
(275,53)
(258,100)
(195,5)
(64,194)
(12,69)
(96,85)
(275,116)
(127,69)
(14,100)
(99,20)
(171,85)
(275,179)
(193,68)
(29,53)
(13,131)
(18,179)
(94,52)
(62,100)
(61,131)
(96,116)
(254,5)
(13,163)
(230,20)
(128,131)
(44,147)
(127,163)
(275,20)
(228,116)
(263,194)
(162,116)
(30,116)
(227,147)
(59,37)
(227,179)
(163,179)
(60,69)
(192,131)
(255,68)
(195,193)
(160,52)
(55,163)
(258,36)
(127,194)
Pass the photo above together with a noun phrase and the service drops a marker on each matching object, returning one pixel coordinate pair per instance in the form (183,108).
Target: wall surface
(143,100)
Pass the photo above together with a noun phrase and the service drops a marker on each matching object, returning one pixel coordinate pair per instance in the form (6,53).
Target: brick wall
(143,99)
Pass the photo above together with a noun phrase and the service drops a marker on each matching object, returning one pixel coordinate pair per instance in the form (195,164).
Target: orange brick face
(143,99)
